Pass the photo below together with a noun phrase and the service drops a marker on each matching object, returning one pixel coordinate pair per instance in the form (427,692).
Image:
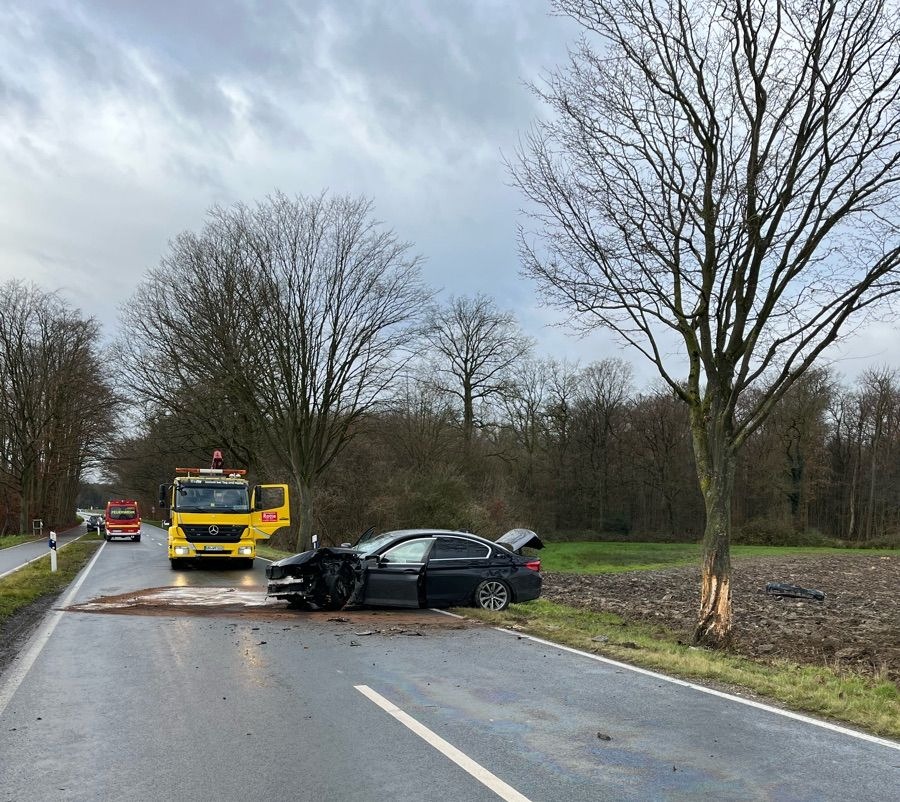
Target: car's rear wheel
(136,538)
(492,594)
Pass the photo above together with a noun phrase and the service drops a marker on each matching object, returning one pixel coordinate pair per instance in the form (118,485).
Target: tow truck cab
(122,519)
(214,513)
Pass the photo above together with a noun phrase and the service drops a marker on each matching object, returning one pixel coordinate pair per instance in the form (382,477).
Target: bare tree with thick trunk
(292,317)
(718,185)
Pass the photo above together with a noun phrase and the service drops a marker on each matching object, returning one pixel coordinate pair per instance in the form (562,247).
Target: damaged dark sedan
(412,568)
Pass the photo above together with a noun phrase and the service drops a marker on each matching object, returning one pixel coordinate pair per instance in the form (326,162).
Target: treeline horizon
(576,452)
(572,451)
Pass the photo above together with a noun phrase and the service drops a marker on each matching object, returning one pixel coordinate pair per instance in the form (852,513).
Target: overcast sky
(121,122)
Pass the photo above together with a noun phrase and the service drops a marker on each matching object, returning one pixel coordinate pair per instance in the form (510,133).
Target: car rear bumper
(528,586)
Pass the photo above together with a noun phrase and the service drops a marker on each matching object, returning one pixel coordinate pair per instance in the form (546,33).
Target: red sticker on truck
(268,517)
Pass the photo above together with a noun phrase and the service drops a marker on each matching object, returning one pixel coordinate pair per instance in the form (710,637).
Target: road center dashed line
(476,770)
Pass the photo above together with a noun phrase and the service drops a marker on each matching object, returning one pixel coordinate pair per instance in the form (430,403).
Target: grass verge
(14,540)
(871,705)
(269,553)
(36,581)
(604,557)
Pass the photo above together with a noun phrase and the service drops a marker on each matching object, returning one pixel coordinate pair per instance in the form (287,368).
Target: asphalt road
(183,706)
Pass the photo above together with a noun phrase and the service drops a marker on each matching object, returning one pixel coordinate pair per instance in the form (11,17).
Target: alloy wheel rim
(493,596)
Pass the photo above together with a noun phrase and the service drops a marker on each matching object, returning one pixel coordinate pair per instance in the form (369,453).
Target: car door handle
(410,570)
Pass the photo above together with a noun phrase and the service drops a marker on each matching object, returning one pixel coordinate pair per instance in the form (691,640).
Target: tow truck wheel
(136,538)
(176,564)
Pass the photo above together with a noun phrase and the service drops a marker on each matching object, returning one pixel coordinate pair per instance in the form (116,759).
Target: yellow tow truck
(214,513)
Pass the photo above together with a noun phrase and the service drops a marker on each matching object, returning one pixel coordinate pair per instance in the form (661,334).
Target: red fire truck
(123,519)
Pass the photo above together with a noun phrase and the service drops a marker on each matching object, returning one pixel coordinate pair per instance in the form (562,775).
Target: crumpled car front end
(325,579)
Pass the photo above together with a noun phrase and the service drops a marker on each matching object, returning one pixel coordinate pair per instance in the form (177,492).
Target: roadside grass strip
(476,770)
(35,580)
(872,705)
(8,541)
(605,557)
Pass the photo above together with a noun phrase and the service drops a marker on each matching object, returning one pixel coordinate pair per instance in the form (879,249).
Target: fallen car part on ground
(780,590)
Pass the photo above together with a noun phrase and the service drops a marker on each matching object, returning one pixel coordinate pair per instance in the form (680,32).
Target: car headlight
(245,550)
(183,550)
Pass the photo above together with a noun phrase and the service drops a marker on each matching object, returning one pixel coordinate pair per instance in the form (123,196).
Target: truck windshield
(204,498)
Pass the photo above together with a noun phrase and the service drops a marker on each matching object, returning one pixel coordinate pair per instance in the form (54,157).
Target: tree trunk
(305,514)
(716,470)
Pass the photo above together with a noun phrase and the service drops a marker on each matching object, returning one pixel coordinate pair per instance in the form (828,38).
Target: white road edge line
(491,781)
(703,689)
(23,664)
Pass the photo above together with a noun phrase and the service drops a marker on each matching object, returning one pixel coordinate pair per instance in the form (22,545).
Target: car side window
(412,551)
(458,548)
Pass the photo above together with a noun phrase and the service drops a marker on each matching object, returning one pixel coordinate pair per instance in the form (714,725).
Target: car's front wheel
(341,588)
(492,594)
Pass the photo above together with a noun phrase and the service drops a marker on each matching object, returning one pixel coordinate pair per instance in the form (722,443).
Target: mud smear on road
(252,603)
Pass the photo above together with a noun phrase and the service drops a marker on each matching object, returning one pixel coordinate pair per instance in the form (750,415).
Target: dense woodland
(579,452)
(573,451)
(56,410)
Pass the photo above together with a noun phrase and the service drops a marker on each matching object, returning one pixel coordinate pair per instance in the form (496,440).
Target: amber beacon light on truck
(215,513)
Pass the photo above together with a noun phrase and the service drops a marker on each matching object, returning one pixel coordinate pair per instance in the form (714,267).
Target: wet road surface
(157,684)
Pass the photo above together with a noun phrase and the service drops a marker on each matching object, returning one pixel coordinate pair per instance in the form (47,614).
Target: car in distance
(412,568)
(95,522)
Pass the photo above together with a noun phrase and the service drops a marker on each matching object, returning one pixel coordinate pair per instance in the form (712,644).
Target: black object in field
(780,590)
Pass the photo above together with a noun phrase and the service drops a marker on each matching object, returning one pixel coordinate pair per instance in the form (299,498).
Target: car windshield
(206,498)
(375,543)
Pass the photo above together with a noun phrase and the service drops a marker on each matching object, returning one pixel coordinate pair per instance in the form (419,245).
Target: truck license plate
(214,548)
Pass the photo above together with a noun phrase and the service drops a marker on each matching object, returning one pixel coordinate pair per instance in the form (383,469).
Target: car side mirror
(346,545)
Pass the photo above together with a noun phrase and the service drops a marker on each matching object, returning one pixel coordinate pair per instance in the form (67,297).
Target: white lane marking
(23,664)
(491,781)
(35,559)
(711,691)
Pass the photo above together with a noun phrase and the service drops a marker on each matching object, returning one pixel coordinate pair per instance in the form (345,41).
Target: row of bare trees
(56,406)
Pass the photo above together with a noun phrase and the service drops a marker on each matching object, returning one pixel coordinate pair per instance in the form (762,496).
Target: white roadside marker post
(52,545)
